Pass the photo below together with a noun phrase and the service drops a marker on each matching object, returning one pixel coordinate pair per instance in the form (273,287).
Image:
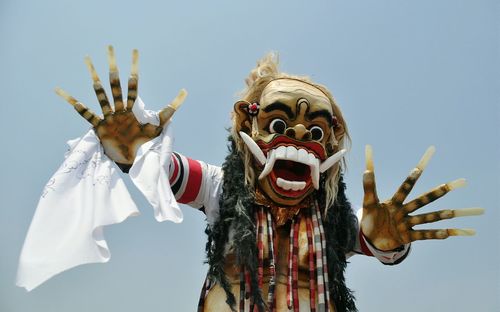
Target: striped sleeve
(196,184)
(185,178)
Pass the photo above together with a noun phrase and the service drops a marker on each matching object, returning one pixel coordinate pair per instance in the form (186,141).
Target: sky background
(407,74)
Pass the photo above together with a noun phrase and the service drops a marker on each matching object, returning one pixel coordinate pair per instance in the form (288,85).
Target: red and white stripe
(186,177)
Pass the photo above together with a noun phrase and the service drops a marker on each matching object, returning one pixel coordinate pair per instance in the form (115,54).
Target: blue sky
(407,74)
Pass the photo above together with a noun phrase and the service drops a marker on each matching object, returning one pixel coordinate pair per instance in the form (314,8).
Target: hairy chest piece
(281,214)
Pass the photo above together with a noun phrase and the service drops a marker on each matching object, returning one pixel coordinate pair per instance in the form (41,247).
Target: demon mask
(292,131)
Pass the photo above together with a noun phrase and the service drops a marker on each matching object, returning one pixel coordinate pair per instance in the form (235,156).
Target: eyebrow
(321,113)
(280,106)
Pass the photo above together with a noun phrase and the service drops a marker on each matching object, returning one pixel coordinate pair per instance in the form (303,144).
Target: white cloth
(150,170)
(144,115)
(211,192)
(85,194)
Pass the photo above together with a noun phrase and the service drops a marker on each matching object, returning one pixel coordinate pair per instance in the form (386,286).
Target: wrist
(388,257)
(125,168)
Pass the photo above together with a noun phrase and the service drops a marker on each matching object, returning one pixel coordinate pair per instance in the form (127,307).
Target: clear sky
(407,74)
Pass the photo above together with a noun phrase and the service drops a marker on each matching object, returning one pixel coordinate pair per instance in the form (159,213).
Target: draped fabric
(87,193)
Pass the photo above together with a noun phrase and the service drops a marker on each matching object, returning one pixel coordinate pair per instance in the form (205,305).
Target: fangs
(332,160)
(253,147)
(293,154)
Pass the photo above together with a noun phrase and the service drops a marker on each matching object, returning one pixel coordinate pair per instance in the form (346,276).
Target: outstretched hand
(119,131)
(388,224)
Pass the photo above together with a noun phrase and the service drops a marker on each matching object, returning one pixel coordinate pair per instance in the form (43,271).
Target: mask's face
(295,126)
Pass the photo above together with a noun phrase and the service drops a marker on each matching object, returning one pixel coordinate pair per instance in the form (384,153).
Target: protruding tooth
(291,153)
(302,156)
(281,152)
(253,147)
(269,164)
(331,160)
(314,165)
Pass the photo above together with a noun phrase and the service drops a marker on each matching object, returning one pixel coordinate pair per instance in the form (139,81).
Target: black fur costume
(237,213)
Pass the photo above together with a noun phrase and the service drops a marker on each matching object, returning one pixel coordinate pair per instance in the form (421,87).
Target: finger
(98,88)
(410,181)
(167,112)
(114,80)
(369,180)
(86,113)
(71,100)
(133,80)
(432,195)
(443,215)
(439,234)
(79,107)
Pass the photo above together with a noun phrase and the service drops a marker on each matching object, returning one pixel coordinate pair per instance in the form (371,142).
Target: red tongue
(291,170)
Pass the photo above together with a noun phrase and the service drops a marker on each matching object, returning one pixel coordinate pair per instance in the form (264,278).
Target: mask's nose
(298,132)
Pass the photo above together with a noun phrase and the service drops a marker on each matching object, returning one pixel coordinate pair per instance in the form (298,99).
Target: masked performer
(279,225)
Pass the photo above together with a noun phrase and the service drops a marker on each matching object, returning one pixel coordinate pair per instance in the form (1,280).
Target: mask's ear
(339,130)
(242,120)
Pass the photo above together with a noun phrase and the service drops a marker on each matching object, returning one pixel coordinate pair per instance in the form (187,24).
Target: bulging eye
(277,126)
(316,133)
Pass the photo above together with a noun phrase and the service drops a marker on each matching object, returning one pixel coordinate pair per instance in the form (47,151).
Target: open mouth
(292,166)
(291,169)
(291,177)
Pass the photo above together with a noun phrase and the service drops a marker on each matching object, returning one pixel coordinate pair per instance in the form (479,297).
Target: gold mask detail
(292,141)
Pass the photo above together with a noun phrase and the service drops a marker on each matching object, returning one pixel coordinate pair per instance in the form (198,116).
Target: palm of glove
(119,131)
(121,136)
(388,224)
(380,225)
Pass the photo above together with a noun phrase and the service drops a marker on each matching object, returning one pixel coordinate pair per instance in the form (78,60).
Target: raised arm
(119,131)
(388,225)
(196,184)
(122,134)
